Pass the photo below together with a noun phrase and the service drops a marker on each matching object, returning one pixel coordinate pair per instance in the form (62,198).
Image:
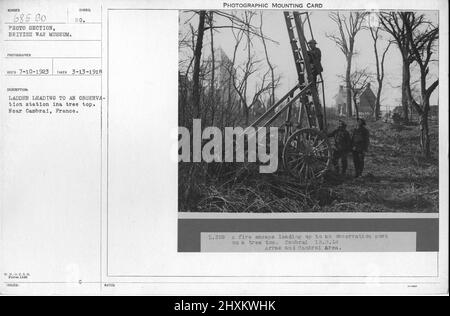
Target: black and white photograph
(353,97)
(224,153)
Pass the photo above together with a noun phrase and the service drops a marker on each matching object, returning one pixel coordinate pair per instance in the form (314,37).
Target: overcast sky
(333,60)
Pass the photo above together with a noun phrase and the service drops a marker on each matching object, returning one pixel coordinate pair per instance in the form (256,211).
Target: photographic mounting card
(273,148)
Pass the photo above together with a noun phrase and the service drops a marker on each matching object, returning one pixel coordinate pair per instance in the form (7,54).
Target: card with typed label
(165,147)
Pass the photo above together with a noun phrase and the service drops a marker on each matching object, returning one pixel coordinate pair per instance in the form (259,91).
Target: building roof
(341,96)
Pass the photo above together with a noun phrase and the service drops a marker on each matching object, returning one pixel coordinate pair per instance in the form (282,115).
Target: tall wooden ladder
(310,102)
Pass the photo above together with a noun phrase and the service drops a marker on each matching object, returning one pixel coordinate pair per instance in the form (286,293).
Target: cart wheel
(307,155)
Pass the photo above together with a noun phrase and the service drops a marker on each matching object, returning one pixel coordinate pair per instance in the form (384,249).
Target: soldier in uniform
(315,59)
(342,146)
(360,145)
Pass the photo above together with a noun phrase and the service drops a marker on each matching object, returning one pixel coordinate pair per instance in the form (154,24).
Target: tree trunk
(405,82)
(246,114)
(377,101)
(424,134)
(348,86)
(230,86)
(272,75)
(182,101)
(213,68)
(356,106)
(197,60)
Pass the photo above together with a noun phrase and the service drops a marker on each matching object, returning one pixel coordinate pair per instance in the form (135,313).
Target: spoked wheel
(307,155)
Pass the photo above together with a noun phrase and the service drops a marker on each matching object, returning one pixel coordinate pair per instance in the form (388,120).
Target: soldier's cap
(341,122)
(363,121)
(312,42)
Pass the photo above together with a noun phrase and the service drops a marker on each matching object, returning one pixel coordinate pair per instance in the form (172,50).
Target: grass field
(396,179)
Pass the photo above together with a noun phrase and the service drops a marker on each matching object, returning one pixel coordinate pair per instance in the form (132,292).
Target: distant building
(224,72)
(224,67)
(223,76)
(365,101)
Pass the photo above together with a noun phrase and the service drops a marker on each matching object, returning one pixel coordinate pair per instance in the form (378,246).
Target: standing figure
(360,145)
(342,146)
(315,59)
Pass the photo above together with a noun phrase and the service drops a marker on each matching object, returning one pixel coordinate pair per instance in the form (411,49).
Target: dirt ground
(396,179)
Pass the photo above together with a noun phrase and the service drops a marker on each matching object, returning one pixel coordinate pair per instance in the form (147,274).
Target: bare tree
(240,74)
(185,87)
(205,23)
(348,25)
(379,62)
(394,24)
(272,72)
(213,60)
(230,67)
(197,60)
(422,36)
(249,65)
(212,86)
